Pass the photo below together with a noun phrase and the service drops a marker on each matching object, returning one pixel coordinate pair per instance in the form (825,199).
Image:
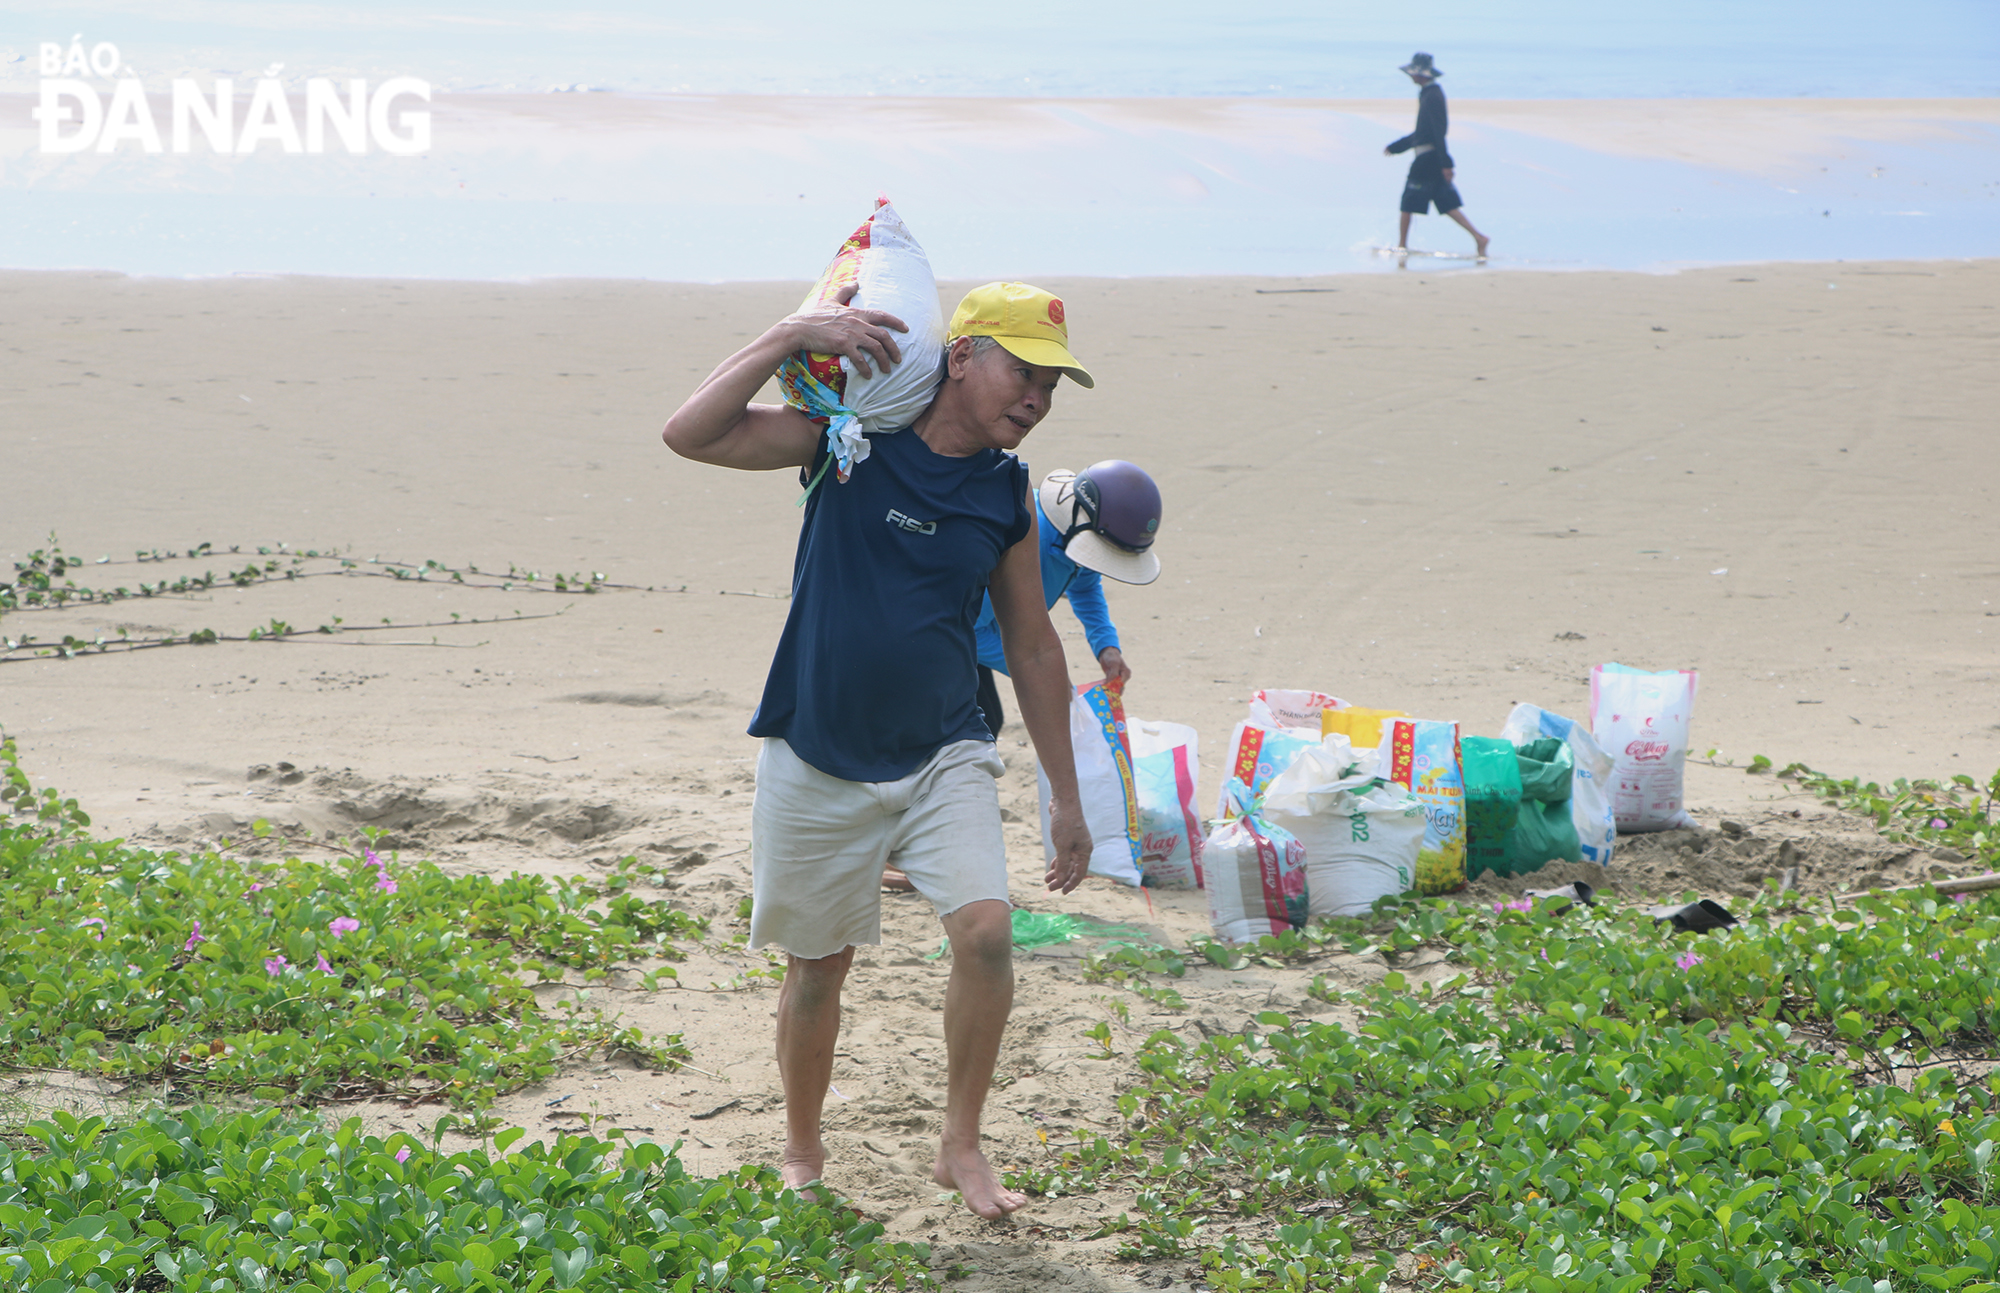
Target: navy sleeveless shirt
(877,667)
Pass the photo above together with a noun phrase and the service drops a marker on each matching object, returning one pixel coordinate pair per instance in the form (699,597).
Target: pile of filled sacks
(1326,807)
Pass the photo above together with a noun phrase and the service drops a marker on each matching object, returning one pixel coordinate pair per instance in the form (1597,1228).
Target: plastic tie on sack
(1238,800)
(845,444)
(1244,805)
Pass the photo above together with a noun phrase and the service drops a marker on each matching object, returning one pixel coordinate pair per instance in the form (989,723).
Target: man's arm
(718,424)
(1430,124)
(1041,688)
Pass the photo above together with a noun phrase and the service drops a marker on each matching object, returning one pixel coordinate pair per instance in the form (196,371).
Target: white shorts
(818,844)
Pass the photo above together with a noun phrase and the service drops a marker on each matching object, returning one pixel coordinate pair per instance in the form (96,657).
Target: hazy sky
(1115,48)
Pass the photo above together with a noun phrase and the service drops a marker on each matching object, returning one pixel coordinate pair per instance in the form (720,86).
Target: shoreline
(1441,266)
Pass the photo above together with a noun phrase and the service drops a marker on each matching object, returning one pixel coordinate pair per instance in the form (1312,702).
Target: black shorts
(989,701)
(1428,187)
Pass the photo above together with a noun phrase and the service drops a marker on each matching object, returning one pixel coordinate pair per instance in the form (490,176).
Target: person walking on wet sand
(874,749)
(1431,167)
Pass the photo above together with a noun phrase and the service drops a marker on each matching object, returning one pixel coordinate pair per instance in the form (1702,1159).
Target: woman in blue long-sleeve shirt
(1431,168)
(1095,523)
(1092,524)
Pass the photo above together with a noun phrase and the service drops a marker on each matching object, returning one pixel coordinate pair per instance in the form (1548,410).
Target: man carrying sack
(874,750)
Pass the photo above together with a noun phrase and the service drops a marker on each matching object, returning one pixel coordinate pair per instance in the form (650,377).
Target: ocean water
(665,141)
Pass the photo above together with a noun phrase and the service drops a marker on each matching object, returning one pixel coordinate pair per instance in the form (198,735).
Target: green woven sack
(1492,802)
(1545,831)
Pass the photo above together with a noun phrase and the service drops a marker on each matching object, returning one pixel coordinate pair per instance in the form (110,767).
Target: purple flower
(274,966)
(1939,823)
(343,925)
(385,884)
(253,888)
(374,859)
(1687,960)
(1935,956)
(99,931)
(323,967)
(1961,897)
(1519,904)
(194,938)
(403,1154)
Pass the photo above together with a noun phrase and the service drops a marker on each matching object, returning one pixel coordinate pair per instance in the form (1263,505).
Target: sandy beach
(1442,492)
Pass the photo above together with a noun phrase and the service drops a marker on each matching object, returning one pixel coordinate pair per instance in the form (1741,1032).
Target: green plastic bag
(1545,831)
(1033,929)
(1492,802)
(1547,768)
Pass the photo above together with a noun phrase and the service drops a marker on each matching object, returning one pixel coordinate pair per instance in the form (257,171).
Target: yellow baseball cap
(1026,321)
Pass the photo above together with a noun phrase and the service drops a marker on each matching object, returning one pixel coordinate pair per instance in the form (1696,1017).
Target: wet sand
(739,187)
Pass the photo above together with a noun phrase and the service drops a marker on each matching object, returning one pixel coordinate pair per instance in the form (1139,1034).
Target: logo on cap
(1055,310)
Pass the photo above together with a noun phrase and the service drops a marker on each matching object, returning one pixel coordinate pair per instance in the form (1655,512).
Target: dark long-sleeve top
(1432,122)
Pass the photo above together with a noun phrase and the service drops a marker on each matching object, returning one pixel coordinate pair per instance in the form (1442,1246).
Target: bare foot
(801,1168)
(1482,245)
(968,1172)
(896,881)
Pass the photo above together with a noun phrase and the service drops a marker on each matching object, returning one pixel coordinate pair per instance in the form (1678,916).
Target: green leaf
(569,1267)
